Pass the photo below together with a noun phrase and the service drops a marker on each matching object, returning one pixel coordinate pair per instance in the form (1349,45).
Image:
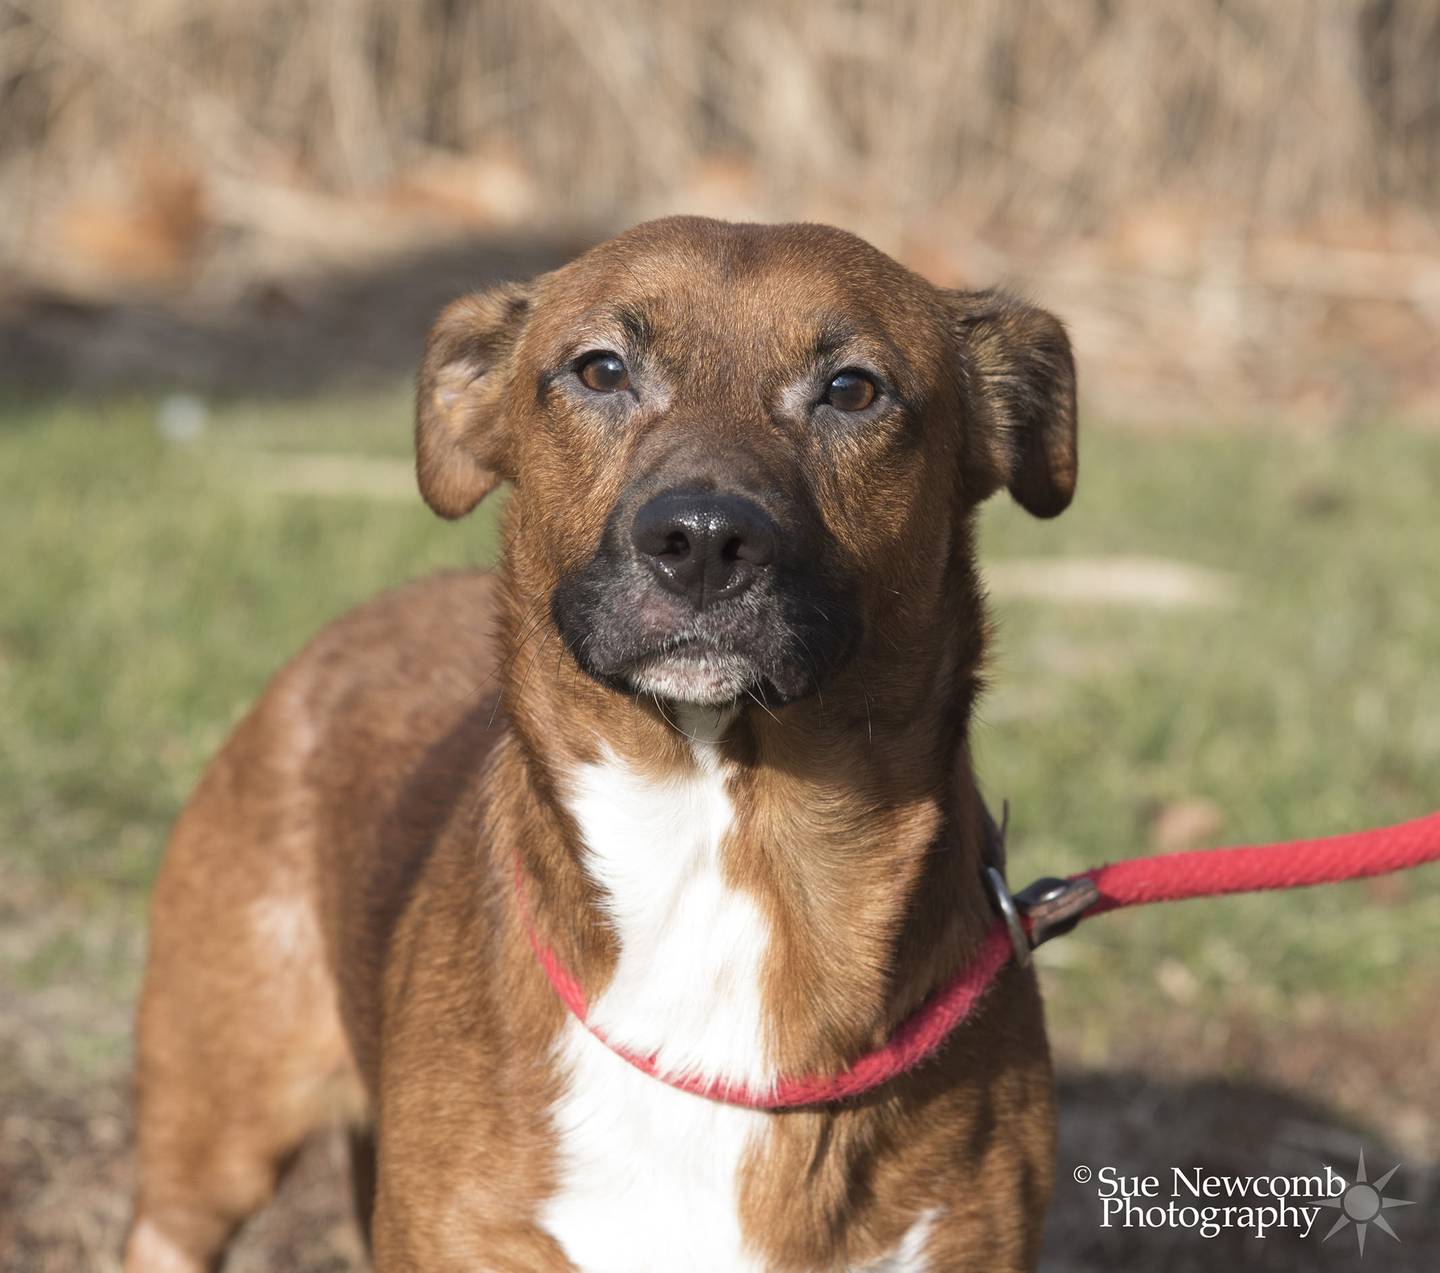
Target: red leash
(1137,882)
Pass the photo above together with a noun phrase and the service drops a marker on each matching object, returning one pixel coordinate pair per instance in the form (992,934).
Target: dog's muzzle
(702,596)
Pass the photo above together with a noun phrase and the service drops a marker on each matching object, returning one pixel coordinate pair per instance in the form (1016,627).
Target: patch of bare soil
(299,333)
(1171,323)
(66,1177)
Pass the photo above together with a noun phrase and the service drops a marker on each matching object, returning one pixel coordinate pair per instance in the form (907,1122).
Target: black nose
(704,546)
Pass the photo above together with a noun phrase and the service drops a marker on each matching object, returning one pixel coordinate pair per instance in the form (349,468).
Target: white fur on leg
(909,1256)
(151,1251)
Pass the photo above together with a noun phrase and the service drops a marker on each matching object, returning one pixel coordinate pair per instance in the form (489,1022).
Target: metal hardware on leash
(1005,904)
(1053,906)
(994,855)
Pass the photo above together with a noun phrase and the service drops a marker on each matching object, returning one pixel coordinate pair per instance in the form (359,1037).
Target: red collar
(1205,873)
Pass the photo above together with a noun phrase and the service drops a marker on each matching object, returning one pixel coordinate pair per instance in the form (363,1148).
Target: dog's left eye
(851,390)
(604,373)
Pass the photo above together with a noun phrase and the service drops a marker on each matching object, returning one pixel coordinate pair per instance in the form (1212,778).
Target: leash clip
(1051,907)
(993,853)
(1054,906)
(1004,902)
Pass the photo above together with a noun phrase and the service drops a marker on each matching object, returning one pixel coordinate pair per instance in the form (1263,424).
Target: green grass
(1309,706)
(150,588)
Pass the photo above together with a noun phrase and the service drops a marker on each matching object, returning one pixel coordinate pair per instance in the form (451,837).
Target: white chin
(706,679)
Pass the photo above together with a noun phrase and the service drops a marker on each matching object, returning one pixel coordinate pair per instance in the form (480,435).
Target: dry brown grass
(1052,112)
(1187,177)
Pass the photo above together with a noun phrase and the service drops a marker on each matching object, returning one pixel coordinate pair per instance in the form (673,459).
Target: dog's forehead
(778,288)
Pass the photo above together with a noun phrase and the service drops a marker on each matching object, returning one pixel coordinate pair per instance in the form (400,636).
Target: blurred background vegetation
(1233,202)
(227,226)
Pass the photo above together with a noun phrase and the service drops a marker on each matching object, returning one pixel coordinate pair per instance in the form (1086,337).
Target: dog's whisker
(500,667)
(865,693)
(507,664)
(529,633)
(530,667)
(758,703)
(675,725)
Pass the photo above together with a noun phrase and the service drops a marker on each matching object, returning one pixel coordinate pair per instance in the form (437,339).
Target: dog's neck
(748,892)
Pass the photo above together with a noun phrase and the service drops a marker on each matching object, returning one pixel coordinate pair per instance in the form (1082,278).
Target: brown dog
(736,636)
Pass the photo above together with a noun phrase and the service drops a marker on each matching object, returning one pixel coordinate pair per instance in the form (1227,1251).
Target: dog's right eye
(851,390)
(604,373)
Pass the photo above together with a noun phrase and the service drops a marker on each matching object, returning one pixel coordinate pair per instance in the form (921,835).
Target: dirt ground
(295,335)
(1303,333)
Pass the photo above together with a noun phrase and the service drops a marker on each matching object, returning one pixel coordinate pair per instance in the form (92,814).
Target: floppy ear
(462,448)
(1021,378)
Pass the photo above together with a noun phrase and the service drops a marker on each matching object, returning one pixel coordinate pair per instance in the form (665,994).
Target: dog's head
(740,451)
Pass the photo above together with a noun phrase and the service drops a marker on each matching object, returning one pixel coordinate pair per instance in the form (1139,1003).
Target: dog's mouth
(687,670)
(765,648)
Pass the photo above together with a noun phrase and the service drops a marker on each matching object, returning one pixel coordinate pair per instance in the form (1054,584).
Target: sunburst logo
(1363,1203)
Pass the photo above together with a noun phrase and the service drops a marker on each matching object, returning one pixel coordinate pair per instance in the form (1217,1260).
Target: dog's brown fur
(335,933)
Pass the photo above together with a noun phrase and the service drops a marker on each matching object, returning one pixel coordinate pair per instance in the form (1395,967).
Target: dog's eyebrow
(600,328)
(636,325)
(836,337)
(833,335)
(624,328)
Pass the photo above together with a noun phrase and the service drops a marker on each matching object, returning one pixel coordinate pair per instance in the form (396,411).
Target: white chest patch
(649,1174)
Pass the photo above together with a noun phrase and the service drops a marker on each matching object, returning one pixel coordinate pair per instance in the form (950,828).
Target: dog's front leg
(463,1158)
(425,1233)
(456,1195)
